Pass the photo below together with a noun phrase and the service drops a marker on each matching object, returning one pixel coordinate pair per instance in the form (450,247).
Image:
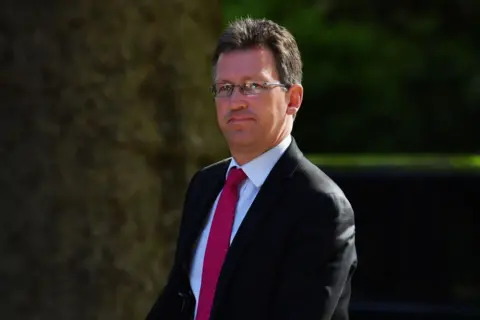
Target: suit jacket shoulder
(203,175)
(321,194)
(215,168)
(315,180)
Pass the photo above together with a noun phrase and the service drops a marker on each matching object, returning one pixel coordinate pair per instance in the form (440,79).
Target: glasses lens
(251,89)
(222,89)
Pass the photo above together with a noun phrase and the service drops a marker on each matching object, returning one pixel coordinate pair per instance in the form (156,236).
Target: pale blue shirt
(257,172)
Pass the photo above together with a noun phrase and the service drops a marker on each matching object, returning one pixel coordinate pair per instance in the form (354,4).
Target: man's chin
(240,140)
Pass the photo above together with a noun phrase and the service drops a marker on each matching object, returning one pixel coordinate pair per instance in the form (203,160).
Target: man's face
(252,121)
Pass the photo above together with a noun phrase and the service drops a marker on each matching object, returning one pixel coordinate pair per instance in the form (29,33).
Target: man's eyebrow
(242,80)
(222,81)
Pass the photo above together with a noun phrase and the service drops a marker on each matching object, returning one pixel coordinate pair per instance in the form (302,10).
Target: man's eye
(254,85)
(222,88)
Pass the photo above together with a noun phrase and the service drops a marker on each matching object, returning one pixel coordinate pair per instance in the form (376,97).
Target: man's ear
(295,98)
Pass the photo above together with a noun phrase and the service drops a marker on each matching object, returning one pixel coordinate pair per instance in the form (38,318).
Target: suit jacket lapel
(198,211)
(272,188)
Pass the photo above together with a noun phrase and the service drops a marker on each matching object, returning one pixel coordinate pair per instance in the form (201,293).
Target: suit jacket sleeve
(314,281)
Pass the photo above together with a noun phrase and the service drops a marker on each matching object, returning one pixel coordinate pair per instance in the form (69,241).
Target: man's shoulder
(207,174)
(213,169)
(313,178)
(318,189)
(216,167)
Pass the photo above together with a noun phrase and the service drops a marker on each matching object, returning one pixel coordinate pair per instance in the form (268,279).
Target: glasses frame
(265,85)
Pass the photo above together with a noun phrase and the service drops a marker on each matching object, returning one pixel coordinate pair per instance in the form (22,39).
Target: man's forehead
(248,64)
(257,54)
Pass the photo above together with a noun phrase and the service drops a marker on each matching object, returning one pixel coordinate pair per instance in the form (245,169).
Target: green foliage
(424,162)
(382,77)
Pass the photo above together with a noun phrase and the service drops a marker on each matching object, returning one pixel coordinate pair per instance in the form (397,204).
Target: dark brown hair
(249,33)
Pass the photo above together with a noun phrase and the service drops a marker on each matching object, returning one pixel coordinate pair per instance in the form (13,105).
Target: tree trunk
(105,112)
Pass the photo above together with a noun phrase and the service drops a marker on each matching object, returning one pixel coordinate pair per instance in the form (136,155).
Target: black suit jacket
(293,256)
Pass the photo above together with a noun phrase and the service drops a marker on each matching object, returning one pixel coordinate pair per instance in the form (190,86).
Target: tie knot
(235,177)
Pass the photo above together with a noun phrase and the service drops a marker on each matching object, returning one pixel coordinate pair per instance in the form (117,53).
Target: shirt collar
(258,169)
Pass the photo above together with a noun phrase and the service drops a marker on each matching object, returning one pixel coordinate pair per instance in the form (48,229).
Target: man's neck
(245,155)
(243,158)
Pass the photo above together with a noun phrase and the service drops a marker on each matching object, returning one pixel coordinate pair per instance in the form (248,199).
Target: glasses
(225,90)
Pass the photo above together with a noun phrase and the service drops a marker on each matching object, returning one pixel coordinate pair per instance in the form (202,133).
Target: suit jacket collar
(203,199)
(259,168)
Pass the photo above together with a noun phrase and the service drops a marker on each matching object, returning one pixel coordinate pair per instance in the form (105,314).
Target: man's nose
(237,99)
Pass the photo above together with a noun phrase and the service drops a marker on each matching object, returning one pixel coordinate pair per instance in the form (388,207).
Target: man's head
(257,72)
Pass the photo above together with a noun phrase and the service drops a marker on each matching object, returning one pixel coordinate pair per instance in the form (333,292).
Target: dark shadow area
(418,241)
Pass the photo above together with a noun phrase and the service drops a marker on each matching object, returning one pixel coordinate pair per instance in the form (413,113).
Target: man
(264,234)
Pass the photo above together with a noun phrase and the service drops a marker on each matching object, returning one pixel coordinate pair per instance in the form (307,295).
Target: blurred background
(105,114)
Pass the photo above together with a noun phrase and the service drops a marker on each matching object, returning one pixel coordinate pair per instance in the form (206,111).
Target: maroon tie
(218,241)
